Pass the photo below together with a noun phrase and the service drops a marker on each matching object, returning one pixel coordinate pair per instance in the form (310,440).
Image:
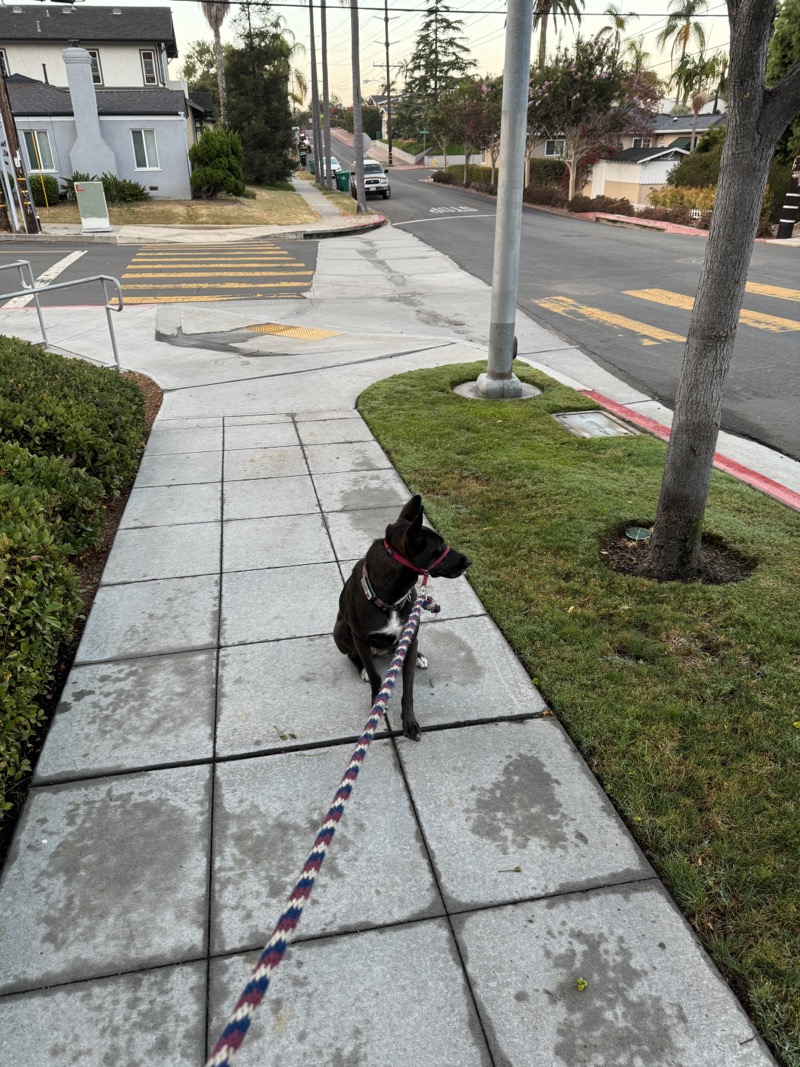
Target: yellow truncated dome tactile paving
(303,333)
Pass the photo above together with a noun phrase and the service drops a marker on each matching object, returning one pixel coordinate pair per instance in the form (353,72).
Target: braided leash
(234,1033)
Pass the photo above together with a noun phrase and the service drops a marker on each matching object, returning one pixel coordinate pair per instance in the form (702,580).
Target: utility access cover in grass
(594,424)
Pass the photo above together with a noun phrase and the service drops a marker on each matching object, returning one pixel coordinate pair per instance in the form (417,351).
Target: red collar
(412,566)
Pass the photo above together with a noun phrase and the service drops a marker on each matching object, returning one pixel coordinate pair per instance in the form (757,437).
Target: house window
(643,142)
(3,63)
(97,72)
(554,148)
(145,152)
(149,66)
(37,145)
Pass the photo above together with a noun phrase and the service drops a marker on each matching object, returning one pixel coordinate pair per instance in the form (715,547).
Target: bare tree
(216,12)
(757,117)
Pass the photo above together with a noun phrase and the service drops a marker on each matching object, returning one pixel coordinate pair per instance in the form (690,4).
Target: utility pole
(499,381)
(791,204)
(315,129)
(388,81)
(11,148)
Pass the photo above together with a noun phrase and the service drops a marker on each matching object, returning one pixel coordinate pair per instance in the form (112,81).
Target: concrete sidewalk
(477,876)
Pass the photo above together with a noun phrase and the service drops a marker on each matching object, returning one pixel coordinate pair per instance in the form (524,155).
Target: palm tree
(542,11)
(639,57)
(215,13)
(682,26)
(618,25)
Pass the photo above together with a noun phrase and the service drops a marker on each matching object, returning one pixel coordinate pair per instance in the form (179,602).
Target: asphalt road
(168,273)
(624,297)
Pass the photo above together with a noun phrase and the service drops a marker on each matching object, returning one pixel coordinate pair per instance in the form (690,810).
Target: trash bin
(303,159)
(312,167)
(343,181)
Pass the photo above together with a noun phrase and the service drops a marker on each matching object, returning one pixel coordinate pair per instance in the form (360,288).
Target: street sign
(425,131)
(366,140)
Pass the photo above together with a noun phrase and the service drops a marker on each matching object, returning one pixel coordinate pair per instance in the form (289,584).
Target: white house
(146,121)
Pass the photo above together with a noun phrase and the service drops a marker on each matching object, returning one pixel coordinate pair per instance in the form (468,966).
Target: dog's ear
(412,512)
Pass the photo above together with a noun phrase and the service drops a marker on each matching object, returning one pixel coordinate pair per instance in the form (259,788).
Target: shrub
(217,164)
(56,406)
(77,176)
(35,180)
(443,178)
(701,167)
(70,499)
(121,191)
(606,204)
(700,199)
(546,195)
(681,215)
(39,593)
(548,172)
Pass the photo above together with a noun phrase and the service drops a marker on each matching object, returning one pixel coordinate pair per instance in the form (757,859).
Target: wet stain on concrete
(521,806)
(609,1019)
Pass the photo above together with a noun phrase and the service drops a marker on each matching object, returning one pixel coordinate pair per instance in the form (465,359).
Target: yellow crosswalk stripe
(562,305)
(773,290)
(772,323)
(183,299)
(221,285)
(222,274)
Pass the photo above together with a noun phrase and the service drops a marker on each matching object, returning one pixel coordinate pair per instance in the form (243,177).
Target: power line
(451,11)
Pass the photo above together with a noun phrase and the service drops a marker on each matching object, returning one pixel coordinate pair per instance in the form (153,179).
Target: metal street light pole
(499,381)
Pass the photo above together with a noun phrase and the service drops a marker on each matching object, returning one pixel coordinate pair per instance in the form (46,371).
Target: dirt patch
(719,563)
(89,568)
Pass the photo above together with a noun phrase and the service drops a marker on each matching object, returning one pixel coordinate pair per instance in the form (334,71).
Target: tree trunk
(573,175)
(223,95)
(358,126)
(326,105)
(675,546)
(694,131)
(545,12)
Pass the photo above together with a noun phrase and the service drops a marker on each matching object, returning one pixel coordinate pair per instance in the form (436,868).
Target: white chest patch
(393,628)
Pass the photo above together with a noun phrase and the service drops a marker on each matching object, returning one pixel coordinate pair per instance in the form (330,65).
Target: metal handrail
(34,290)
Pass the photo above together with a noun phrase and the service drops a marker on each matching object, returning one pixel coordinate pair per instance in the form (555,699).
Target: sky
(483,30)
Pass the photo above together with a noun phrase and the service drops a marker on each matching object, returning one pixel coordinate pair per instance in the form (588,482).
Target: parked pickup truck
(375,180)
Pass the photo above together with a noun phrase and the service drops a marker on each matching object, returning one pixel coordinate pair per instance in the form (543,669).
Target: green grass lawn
(683,698)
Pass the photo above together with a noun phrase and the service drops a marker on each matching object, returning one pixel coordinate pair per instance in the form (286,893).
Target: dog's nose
(467,562)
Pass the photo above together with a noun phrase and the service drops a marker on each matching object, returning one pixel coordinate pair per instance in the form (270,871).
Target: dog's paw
(364,675)
(422,662)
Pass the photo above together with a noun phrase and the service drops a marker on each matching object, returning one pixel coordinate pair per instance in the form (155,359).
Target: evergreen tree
(258,71)
(441,59)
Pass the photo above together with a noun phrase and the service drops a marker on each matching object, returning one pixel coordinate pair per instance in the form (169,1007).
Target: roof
(30,98)
(645,155)
(678,124)
(64,23)
(203,101)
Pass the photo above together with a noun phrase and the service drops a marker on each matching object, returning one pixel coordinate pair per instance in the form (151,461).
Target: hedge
(70,435)
(39,594)
(50,190)
(55,406)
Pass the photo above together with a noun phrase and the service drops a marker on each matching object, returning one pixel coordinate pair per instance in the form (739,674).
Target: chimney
(90,152)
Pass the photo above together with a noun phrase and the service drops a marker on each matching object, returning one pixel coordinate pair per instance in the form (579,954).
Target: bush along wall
(70,436)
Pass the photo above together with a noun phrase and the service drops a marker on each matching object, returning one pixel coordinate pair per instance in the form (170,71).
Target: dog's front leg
(365,653)
(411,728)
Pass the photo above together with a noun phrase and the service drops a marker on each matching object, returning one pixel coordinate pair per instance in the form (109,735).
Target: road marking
(182,299)
(446,218)
(443,210)
(772,323)
(773,290)
(562,305)
(45,277)
(222,274)
(221,285)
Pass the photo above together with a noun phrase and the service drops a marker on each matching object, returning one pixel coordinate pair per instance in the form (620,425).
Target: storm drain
(302,333)
(594,424)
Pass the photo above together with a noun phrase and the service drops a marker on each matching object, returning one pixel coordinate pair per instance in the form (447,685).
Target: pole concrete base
(510,388)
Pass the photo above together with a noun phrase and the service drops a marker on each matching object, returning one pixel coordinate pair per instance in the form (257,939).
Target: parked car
(336,166)
(376,180)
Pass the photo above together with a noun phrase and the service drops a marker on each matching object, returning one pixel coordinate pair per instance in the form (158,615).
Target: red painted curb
(737,470)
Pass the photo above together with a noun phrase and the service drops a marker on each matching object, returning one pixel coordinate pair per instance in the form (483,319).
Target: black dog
(379,595)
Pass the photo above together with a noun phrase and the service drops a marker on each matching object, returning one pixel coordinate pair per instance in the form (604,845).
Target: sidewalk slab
(256,498)
(267,812)
(359,490)
(652,996)
(179,469)
(107,876)
(123,716)
(329,701)
(176,551)
(496,797)
(248,463)
(278,541)
(280,602)
(151,618)
(152,1016)
(172,505)
(398,998)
